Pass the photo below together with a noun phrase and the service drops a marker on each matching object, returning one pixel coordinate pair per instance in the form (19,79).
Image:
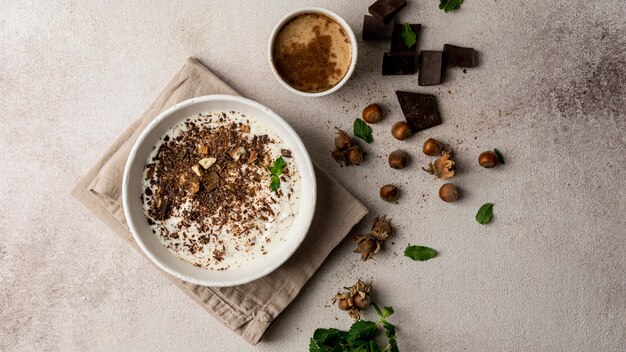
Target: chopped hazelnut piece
(197,169)
(194,186)
(203,149)
(252,158)
(206,163)
(237,153)
(245,128)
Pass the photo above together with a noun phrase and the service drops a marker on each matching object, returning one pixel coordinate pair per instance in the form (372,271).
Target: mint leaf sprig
(363,131)
(275,171)
(360,337)
(409,37)
(449,5)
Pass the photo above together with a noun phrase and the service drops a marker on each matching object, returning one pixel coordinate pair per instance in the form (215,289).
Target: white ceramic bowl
(132,190)
(339,20)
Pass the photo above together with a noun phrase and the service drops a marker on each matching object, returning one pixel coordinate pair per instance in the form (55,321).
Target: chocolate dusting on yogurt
(207,190)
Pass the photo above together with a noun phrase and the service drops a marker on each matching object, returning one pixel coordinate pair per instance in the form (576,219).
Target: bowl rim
(307,167)
(336,17)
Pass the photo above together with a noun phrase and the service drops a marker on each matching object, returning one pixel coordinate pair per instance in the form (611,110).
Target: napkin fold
(247,309)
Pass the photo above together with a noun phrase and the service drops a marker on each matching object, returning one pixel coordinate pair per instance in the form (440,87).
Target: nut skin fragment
(443,167)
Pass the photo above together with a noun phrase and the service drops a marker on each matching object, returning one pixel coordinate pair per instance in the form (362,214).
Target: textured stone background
(548,274)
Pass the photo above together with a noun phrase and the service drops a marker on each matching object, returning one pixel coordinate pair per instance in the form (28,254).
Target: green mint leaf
(500,156)
(277,168)
(378,311)
(275,184)
(449,5)
(390,329)
(362,330)
(419,253)
(484,213)
(363,131)
(409,37)
(387,311)
(393,344)
(313,347)
(374,346)
(357,347)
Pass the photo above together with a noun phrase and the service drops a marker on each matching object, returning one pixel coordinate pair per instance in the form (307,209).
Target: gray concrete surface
(548,274)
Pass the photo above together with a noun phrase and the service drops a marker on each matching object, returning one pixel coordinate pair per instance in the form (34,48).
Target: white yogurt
(238,247)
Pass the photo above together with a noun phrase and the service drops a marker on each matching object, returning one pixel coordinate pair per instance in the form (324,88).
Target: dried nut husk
(354,298)
(443,167)
(237,153)
(366,246)
(342,140)
(381,230)
(198,170)
(362,300)
(207,162)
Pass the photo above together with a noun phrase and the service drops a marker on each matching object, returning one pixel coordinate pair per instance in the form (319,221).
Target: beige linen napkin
(247,309)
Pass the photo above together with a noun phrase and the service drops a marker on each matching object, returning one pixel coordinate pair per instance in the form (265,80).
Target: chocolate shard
(403,63)
(374,29)
(420,110)
(397,41)
(431,63)
(458,56)
(384,10)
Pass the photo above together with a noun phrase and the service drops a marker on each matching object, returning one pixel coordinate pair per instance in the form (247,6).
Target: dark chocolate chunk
(384,10)
(460,56)
(420,110)
(430,68)
(374,29)
(397,41)
(404,63)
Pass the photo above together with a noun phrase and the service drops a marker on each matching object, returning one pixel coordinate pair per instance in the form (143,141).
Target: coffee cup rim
(344,25)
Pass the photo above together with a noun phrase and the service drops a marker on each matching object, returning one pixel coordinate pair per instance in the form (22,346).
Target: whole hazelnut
(343,304)
(432,147)
(448,193)
(398,159)
(354,156)
(488,159)
(362,302)
(401,130)
(389,193)
(372,113)
(342,141)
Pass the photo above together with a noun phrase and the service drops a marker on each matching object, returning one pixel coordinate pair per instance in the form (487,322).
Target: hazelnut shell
(488,159)
(389,193)
(401,130)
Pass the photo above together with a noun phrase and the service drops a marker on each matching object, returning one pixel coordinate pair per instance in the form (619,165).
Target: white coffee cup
(342,23)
